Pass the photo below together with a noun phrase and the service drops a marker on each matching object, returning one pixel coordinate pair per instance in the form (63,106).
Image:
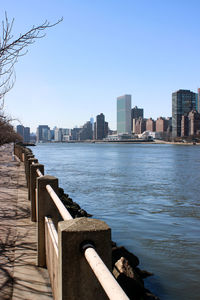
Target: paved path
(19,276)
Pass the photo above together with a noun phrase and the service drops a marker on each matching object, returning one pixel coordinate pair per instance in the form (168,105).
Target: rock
(128,279)
(118,252)
(123,266)
(149,296)
(60,192)
(143,273)
(113,244)
(83,213)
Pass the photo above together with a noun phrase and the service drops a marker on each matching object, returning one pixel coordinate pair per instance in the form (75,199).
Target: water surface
(149,195)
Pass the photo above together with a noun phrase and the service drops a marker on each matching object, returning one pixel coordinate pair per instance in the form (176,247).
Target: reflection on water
(149,195)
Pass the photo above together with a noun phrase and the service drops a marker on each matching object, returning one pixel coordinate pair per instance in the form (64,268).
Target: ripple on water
(149,195)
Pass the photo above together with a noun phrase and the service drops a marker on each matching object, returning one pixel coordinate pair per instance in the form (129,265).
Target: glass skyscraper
(124,114)
(183,101)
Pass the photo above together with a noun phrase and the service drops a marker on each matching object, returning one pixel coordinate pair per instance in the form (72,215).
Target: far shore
(121,142)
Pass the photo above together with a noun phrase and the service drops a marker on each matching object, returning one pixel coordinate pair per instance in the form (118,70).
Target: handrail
(106,279)
(53,233)
(60,206)
(39,173)
(104,276)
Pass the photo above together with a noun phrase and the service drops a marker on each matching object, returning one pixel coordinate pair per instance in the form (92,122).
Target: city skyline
(102,50)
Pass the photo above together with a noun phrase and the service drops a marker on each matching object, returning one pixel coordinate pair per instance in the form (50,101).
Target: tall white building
(58,134)
(124,114)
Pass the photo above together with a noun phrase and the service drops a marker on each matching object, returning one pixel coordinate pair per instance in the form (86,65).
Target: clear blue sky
(103,49)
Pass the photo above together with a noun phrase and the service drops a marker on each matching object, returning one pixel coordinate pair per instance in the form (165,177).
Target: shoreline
(155,142)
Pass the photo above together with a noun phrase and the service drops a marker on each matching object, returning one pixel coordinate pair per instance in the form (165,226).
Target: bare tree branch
(10,50)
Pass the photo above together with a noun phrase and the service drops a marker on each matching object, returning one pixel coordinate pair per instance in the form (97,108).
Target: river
(149,195)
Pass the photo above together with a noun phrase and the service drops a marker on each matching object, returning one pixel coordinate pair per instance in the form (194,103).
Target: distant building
(58,135)
(74,133)
(24,132)
(33,137)
(140,125)
(106,129)
(162,124)
(136,113)
(133,125)
(100,127)
(183,101)
(27,134)
(194,122)
(86,132)
(20,130)
(150,125)
(198,101)
(43,133)
(184,126)
(124,114)
(92,122)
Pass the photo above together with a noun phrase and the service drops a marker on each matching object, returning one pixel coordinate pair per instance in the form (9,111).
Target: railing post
(27,156)
(21,153)
(33,177)
(30,161)
(76,279)
(45,207)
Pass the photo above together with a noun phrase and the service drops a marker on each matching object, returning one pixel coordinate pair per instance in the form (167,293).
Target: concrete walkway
(19,276)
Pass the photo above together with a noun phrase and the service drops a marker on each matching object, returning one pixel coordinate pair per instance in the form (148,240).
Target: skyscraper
(100,127)
(124,114)
(183,101)
(24,132)
(20,130)
(42,133)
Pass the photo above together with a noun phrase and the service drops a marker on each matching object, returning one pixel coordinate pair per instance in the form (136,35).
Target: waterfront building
(190,124)
(32,137)
(135,114)
(86,132)
(58,134)
(194,122)
(184,126)
(51,134)
(140,125)
(124,114)
(198,101)
(26,134)
(74,133)
(92,122)
(133,125)
(150,125)
(20,130)
(162,124)
(183,101)
(100,127)
(42,133)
